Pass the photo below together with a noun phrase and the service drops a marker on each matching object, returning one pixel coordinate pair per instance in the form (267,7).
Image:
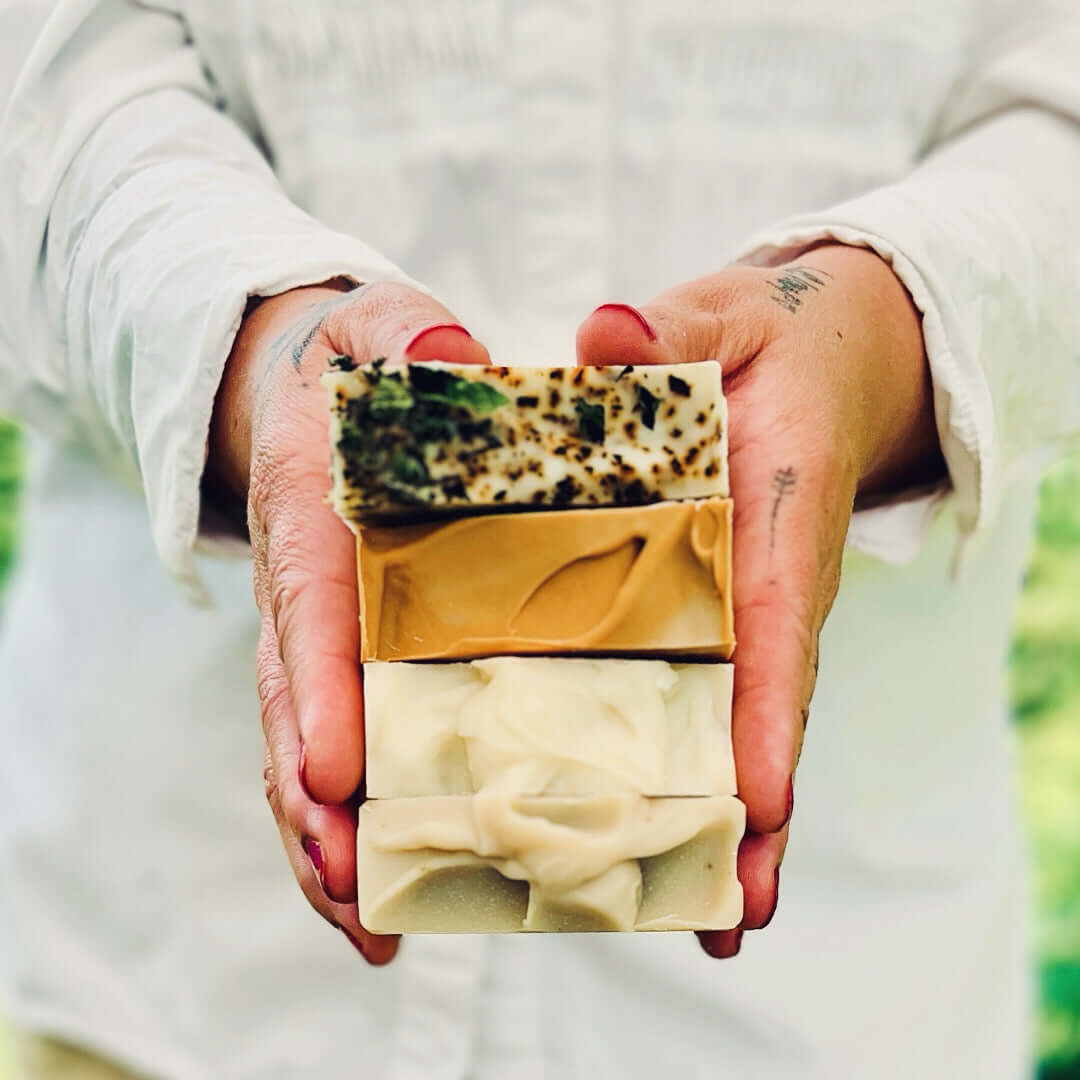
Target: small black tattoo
(301,346)
(783,484)
(787,289)
(296,340)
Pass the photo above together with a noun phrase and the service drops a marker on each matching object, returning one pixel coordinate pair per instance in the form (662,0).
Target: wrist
(266,321)
(888,375)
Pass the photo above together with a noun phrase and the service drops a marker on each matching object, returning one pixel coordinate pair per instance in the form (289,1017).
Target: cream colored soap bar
(548,726)
(632,580)
(429,437)
(488,863)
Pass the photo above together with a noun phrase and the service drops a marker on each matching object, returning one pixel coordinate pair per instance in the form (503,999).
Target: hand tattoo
(787,289)
(783,484)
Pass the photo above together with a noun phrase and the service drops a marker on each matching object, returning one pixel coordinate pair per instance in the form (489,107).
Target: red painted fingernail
(301,768)
(722,945)
(355,942)
(418,337)
(313,850)
(642,321)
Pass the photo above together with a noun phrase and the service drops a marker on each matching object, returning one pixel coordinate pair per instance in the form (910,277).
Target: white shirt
(525,160)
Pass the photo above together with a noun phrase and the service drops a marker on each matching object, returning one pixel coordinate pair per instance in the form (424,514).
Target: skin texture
(829,398)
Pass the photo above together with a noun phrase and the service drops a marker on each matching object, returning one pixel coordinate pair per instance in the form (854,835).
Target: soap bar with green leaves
(421,438)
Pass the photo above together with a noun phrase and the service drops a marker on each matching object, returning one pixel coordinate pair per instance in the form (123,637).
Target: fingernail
(776,899)
(313,850)
(723,944)
(790,800)
(642,321)
(431,329)
(301,768)
(355,942)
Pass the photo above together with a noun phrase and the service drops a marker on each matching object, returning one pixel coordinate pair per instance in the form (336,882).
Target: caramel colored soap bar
(428,438)
(627,580)
(526,725)
(490,863)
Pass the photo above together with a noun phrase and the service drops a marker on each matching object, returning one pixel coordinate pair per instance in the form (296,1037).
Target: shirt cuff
(895,530)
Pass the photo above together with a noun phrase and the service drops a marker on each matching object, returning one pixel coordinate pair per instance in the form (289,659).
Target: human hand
(829,397)
(269,449)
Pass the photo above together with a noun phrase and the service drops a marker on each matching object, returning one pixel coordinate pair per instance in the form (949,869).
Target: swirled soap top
(420,438)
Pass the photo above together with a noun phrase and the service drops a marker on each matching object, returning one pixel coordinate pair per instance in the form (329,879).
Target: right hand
(269,448)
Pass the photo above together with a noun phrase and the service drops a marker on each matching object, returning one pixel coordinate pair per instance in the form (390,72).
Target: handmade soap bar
(631,580)
(548,726)
(490,863)
(427,437)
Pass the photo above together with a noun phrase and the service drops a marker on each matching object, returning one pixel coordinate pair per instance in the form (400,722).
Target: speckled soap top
(428,437)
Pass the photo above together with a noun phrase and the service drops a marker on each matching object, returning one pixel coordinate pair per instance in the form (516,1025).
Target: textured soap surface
(491,863)
(617,580)
(548,726)
(422,438)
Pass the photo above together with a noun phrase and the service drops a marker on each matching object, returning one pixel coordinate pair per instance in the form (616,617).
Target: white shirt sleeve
(136,219)
(985,235)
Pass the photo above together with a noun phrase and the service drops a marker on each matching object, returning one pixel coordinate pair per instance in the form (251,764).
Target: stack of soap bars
(544,564)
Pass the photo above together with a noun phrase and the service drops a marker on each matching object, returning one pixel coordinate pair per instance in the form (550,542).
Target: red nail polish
(776,899)
(727,946)
(355,942)
(420,335)
(313,850)
(642,321)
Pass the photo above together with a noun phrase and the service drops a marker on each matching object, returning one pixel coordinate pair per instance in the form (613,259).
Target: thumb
(712,318)
(402,325)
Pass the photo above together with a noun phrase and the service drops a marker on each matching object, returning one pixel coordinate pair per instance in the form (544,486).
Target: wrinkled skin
(829,398)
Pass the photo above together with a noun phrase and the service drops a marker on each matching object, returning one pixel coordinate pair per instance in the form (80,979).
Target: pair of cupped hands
(829,399)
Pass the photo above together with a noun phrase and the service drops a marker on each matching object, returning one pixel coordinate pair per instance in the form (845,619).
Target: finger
(401,324)
(760,856)
(759,862)
(311,556)
(791,511)
(324,837)
(713,318)
(376,949)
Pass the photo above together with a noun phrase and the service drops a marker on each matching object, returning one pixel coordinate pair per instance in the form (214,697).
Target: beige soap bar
(433,437)
(548,726)
(490,863)
(639,580)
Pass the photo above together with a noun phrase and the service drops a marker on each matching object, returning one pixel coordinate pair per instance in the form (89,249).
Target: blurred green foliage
(9,482)
(1046,699)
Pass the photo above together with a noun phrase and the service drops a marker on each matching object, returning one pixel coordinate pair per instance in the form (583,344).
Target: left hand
(829,397)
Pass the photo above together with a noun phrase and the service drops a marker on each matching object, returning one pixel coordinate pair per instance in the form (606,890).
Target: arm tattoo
(787,289)
(783,484)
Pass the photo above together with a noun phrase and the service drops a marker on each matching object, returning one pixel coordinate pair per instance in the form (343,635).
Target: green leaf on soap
(391,396)
(408,470)
(590,420)
(436,385)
